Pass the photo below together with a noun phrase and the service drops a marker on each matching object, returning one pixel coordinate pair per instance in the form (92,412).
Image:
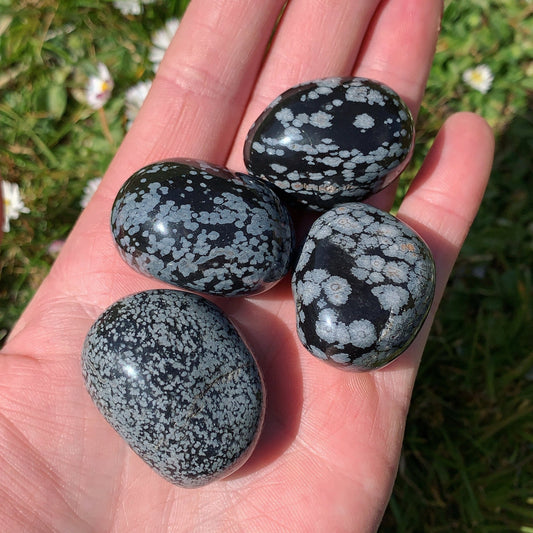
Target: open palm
(328,454)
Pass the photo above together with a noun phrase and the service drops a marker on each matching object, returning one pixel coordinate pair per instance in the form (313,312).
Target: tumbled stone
(331,141)
(173,377)
(203,228)
(363,286)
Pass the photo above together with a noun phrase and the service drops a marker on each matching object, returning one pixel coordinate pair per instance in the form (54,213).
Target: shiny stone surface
(331,141)
(363,285)
(172,376)
(202,228)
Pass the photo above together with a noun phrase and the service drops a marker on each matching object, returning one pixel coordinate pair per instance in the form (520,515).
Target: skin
(329,451)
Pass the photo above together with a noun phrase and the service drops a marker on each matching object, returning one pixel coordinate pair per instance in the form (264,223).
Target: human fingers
(443,200)
(202,85)
(368,410)
(441,205)
(399,47)
(193,109)
(392,41)
(314,39)
(398,50)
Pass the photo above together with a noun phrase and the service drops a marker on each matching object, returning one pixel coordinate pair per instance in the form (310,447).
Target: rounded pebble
(363,286)
(331,141)
(172,376)
(203,228)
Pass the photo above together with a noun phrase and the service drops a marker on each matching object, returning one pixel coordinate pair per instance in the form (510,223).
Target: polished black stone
(171,375)
(200,227)
(363,286)
(331,141)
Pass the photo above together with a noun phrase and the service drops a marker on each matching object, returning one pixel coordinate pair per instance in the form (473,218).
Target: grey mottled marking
(172,376)
(202,228)
(363,285)
(331,141)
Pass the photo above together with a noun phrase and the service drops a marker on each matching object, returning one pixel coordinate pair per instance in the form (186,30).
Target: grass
(467,463)
(468,451)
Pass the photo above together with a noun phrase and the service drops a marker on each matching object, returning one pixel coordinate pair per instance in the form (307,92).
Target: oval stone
(331,141)
(203,228)
(363,286)
(172,376)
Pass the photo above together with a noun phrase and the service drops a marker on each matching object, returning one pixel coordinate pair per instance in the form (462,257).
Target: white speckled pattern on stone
(331,141)
(172,376)
(363,286)
(202,228)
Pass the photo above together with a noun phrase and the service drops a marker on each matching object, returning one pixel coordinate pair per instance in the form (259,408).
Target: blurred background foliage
(468,450)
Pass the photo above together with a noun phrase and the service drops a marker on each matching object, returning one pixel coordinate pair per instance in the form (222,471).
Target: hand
(328,455)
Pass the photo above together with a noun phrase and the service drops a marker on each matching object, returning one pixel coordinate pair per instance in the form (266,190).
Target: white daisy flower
(13,204)
(89,190)
(99,88)
(130,7)
(135,97)
(55,247)
(479,78)
(161,40)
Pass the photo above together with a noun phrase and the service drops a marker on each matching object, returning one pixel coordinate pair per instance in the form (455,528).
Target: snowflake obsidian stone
(363,286)
(172,376)
(200,227)
(330,141)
